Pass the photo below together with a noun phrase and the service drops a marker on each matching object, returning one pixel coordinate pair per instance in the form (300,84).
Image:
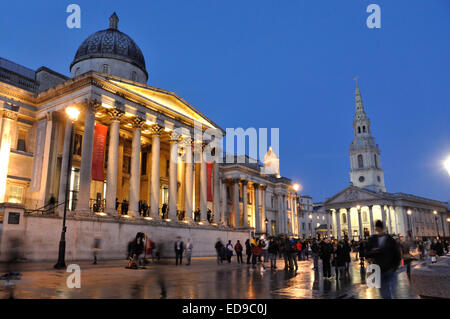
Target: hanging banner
(98,152)
(209,167)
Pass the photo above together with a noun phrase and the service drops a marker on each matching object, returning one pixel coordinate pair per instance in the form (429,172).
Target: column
(203,186)
(41,196)
(263,208)
(257,211)
(237,217)
(223,196)
(216,215)
(372,229)
(86,158)
(244,203)
(361,235)
(383,217)
(111,170)
(154,189)
(405,221)
(5,148)
(135,173)
(64,166)
(328,223)
(173,183)
(338,224)
(349,223)
(187,145)
(279,214)
(391,231)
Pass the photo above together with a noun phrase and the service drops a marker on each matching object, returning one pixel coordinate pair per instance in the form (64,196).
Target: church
(355,209)
(118,156)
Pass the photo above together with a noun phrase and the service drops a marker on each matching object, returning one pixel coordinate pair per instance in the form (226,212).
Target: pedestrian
(325,254)
(285,251)
(188,250)
(384,251)
(135,249)
(273,252)
(347,255)
(248,250)
(229,248)
(406,254)
(238,249)
(150,249)
(219,250)
(164,211)
(315,254)
(293,255)
(299,249)
(96,248)
(362,252)
(339,259)
(265,249)
(179,247)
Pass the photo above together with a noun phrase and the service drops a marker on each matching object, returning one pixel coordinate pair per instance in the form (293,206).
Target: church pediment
(352,194)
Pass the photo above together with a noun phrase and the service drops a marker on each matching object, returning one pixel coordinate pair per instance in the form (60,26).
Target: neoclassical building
(355,209)
(133,146)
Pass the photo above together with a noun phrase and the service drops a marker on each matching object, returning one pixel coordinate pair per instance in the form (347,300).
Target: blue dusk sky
(282,64)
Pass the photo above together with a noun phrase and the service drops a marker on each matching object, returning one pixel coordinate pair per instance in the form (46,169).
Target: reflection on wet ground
(202,279)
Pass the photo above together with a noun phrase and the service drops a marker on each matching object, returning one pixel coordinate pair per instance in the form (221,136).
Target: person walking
(325,254)
(347,255)
(219,250)
(248,250)
(229,248)
(273,252)
(188,250)
(265,249)
(293,255)
(339,260)
(406,246)
(384,251)
(179,248)
(315,254)
(238,249)
(96,248)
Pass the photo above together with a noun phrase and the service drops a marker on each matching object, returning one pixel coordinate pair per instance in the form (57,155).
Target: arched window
(375,160)
(360,161)
(364,129)
(359,129)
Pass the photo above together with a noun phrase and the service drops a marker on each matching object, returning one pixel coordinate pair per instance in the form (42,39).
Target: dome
(111,44)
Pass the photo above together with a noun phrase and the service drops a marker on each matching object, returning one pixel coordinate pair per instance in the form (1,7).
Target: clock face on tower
(361,179)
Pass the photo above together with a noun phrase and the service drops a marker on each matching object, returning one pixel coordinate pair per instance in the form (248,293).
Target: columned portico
(173,183)
(237,216)
(188,205)
(64,165)
(86,157)
(111,171)
(155,175)
(135,176)
(203,185)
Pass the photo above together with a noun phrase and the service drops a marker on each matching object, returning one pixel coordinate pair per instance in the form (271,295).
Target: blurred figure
(229,249)
(347,257)
(265,249)
(150,249)
(248,250)
(273,252)
(315,254)
(135,248)
(219,250)
(188,249)
(325,254)
(238,249)
(406,246)
(384,251)
(362,252)
(179,247)
(96,248)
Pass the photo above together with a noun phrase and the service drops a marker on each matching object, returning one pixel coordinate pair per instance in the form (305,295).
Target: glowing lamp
(409,212)
(434,212)
(296,187)
(73,113)
(358,207)
(447,164)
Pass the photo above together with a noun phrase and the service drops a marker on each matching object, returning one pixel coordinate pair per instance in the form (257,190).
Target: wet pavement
(202,279)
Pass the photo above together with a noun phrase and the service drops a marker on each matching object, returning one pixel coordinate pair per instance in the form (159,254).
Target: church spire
(358,101)
(114,21)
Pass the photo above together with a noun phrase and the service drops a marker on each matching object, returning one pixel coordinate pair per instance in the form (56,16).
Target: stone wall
(40,237)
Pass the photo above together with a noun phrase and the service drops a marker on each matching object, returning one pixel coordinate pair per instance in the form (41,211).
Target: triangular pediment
(352,194)
(162,100)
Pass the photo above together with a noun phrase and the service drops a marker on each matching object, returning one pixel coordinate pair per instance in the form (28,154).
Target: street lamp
(72,113)
(409,222)
(266,222)
(435,219)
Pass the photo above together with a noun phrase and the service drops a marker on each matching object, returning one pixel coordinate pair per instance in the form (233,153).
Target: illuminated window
(15,194)
(21,141)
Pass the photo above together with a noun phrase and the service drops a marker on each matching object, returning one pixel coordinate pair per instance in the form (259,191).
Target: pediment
(352,194)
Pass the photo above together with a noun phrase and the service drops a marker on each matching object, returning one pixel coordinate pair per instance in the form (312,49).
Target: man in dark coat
(384,251)
(179,247)
(248,250)
(326,249)
(219,250)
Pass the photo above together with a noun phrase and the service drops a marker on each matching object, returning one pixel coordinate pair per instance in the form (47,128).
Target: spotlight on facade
(310,216)
(73,113)
(434,212)
(148,218)
(447,164)
(100,214)
(448,219)
(167,220)
(409,212)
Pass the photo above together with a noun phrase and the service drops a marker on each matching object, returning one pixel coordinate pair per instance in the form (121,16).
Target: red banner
(98,152)
(209,167)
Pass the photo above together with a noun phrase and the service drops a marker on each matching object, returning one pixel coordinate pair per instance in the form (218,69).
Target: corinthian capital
(155,129)
(92,105)
(115,114)
(137,122)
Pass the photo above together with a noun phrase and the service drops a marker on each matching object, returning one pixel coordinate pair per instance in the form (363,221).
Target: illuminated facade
(355,209)
(134,147)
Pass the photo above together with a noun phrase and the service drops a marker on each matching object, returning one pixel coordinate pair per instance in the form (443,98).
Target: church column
(237,217)
(64,165)
(391,230)
(257,211)
(263,208)
(349,223)
(111,170)
(203,185)
(383,216)
(372,229)
(173,183)
(41,196)
(361,235)
(338,224)
(135,176)
(244,203)
(187,145)
(154,190)
(86,158)
(7,123)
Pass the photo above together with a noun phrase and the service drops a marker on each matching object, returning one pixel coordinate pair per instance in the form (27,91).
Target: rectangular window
(15,194)
(22,141)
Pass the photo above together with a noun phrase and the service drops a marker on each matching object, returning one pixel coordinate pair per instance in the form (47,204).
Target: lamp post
(72,113)
(435,220)
(358,208)
(409,222)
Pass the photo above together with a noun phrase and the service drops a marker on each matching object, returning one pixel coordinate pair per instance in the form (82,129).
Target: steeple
(114,21)
(365,163)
